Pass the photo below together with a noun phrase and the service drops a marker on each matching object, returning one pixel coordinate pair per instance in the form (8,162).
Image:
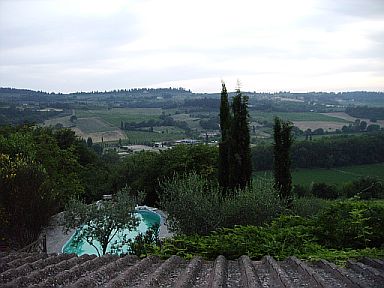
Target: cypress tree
(240,154)
(225,125)
(235,166)
(225,114)
(282,161)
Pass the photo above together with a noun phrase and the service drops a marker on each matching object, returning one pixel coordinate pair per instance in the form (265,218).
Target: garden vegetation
(44,169)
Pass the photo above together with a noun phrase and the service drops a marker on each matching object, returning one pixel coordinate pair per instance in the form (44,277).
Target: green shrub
(254,241)
(192,203)
(254,205)
(351,224)
(286,236)
(308,206)
(301,191)
(324,191)
(196,206)
(365,188)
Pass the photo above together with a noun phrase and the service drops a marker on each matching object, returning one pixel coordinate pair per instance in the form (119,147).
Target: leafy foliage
(142,245)
(209,210)
(39,172)
(351,224)
(145,171)
(285,236)
(324,191)
(21,199)
(365,188)
(308,206)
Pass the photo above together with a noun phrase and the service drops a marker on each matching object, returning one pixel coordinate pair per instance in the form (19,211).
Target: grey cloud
(82,39)
(358,8)
(43,49)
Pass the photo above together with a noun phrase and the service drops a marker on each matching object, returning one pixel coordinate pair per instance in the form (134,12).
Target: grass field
(302,138)
(114,116)
(92,125)
(168,129)
(336,176)
(193,122)
(295,116)
(140,137)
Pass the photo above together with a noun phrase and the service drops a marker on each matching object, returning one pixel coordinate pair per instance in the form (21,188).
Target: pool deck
(163,230)
(56,237)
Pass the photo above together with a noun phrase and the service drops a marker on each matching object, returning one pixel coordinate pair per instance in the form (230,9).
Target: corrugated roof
(62,270)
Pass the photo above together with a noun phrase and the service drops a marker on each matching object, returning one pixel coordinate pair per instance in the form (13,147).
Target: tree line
(327,152)
(372,113)
(165,120)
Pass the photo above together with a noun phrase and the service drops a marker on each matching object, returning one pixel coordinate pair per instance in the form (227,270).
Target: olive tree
(101,221)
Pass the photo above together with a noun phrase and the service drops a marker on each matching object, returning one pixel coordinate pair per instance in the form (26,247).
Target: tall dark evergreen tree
(282,161)
(225,114)
(225,125)
(240,153)
(235,166)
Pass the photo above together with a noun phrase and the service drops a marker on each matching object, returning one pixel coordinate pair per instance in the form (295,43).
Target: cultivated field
(114,116)
(336,176)
(93,124)
(313,125)
(93,127)
(107,136)
(134,137)
(295,116)
(59,120)
(106,123)
(193,122)
(349,118)
(304,120)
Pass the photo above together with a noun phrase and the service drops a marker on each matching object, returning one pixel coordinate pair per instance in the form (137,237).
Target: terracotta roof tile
(62,270)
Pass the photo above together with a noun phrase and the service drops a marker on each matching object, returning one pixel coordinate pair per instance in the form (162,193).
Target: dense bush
(286,236)
(27,204)
(208,210)
(255,205)
(39,171)
(324,191)
(145,171)
(254,241)
(365,188)
(192,203)
(301,191)
(308,206)
(351,224)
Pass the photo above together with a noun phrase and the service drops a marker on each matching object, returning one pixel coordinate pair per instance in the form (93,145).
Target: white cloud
(67,45)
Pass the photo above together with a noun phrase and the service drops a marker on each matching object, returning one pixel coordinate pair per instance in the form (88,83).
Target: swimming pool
(147,219)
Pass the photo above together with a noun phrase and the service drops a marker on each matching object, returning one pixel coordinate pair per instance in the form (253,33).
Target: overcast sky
(270,45)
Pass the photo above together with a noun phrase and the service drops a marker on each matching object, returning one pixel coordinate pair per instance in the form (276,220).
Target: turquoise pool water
(147,219)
